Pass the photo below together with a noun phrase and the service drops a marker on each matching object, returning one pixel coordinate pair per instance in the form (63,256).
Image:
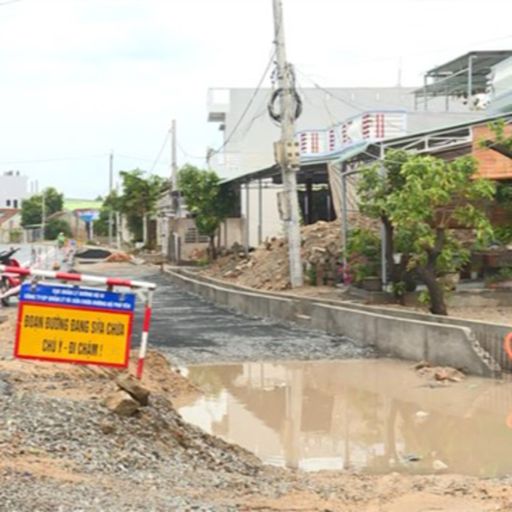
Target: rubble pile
(266,267)
(119,257)
(439,374)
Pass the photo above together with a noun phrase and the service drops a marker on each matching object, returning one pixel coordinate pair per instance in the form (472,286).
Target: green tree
(502,142)
(139,198)
(363,252)
(373,191)
(55,226)
(206,200)
(430,197)
(110,204)
(32,208)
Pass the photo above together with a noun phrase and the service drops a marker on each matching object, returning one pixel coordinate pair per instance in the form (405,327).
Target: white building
(10,226)
(333,120)
(13,189)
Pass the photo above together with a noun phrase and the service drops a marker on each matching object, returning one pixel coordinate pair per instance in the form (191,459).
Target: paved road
(46,253)
(191,330)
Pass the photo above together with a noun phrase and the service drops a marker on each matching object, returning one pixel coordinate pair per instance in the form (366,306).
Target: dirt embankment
(61,449)
(266,268)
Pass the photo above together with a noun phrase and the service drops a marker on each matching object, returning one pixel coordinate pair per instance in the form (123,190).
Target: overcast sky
(82,77)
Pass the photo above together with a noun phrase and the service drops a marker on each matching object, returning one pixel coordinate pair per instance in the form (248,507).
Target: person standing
(61,240)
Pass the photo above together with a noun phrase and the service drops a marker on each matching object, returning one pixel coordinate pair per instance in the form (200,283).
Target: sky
(81,78)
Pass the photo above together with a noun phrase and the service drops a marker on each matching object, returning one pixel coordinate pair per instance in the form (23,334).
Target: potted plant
(501,279)
(363,252)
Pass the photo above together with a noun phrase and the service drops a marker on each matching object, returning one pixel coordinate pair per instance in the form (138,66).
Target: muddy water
(372,416)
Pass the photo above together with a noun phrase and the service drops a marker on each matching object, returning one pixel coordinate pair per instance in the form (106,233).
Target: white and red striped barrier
(110,282)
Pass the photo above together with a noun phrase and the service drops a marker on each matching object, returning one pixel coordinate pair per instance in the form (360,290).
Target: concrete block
(404,339)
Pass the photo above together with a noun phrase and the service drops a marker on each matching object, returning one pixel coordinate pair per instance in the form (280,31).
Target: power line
(251,122)
(48,160)
(159,155)
(7,2)
(432,51)
(188,155)
(247,107)
(349,103)
(462,45)
(139,158)
(360,109)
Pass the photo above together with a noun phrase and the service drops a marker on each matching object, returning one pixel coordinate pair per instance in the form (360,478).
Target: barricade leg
(145,334)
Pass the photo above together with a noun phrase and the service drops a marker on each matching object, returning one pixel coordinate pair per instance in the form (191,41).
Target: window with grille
(192,236)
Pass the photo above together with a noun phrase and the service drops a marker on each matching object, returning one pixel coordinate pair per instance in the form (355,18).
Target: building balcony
(218,105)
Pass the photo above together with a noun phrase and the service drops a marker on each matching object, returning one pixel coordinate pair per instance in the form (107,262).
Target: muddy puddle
(372,416)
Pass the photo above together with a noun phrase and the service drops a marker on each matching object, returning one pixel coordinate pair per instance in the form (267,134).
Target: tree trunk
(390,250)
(428,274)
(213,249)
(144,229)
(436,291)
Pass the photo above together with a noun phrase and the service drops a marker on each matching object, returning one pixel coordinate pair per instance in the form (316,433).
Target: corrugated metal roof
(484,59)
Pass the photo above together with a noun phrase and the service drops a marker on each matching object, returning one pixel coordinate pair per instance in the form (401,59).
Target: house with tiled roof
(10,225)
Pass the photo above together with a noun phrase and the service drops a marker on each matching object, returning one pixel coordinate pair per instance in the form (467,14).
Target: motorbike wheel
(4,287)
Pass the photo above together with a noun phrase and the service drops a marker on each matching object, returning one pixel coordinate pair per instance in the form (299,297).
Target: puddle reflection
(373,416)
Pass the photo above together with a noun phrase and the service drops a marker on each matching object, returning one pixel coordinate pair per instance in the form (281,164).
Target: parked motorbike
(9,282)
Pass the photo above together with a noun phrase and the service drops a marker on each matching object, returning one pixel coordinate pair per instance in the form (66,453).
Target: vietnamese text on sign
(69,324)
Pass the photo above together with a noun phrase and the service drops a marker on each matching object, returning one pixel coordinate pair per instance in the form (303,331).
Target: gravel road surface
(191,331)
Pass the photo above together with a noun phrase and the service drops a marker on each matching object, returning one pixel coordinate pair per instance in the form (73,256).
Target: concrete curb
(250,303)
(404,337)
(414,340)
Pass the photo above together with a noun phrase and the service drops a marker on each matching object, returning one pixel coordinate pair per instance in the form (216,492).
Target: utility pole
(110,189)
(173,196)
(287,150)
(174,163)
(118,230)
(43,215)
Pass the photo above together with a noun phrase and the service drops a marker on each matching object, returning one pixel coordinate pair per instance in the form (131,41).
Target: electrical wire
(277,117)
(139,158)
(48,160)
(253,120)
(247,107)
(159,155)
(470,44)
(358,107)
(187,154)
(346,102)
(353,105)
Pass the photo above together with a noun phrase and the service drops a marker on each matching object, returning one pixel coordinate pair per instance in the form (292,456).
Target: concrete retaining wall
(250,303)
(490,335)
(409,336)
(483,298)
(406,339)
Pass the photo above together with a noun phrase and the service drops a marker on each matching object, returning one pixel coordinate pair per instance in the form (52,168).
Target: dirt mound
(93,254)
(60,449)
(118,257)
(266,268)
(160,377)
